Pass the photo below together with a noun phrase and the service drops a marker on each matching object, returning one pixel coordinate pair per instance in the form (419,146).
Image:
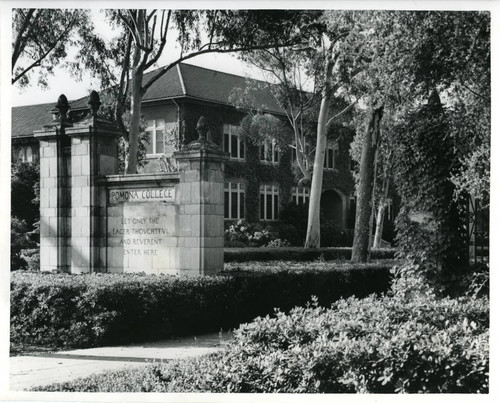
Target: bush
(296,254)
(371,345)
(290,230)
(24,251)
(243,233)
(65,310)
(333,235)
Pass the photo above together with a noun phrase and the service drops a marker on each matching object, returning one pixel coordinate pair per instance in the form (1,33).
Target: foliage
(25,203)
(297,254)
(19,241)
(260,128)
(402,343)
(25,216)
(42,39)
(424,164)
(31,257)
(65,310)
(249,234)
(291,230)
(145,33)
(286,72)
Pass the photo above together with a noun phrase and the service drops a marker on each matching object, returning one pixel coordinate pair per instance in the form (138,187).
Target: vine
(430,222)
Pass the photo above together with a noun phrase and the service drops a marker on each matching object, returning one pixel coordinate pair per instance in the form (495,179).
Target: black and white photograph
(206,201)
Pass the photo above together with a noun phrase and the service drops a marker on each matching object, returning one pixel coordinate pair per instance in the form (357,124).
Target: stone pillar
(201,215)
(54,189)
(72,204)
(93,154)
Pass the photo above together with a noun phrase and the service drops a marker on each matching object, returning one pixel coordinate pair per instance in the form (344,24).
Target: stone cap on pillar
(202,147)
(60,118)
(100,125)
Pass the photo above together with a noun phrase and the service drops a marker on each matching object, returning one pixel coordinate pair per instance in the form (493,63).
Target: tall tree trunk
(135,100)
(313,224)
(363,206)
(377,242)
(374,200)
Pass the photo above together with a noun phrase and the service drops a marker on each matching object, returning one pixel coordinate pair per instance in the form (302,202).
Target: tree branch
(163,40)
(19,42)
(46,53)
(347,108)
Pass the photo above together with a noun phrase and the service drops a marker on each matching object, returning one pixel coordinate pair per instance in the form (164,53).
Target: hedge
(297,254)
(64,310)
(420,344)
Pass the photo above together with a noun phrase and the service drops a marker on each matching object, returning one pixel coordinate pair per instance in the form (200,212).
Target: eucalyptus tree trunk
(365,186)
(135,100)
(377,241)
(313,224)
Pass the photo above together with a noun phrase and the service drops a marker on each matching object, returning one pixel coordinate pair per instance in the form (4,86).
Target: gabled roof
(182,81)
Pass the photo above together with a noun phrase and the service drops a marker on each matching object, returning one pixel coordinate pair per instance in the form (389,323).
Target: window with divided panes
(161,136)
(269,202)
(234,201)
(233,143)
(300,195)
(269,152)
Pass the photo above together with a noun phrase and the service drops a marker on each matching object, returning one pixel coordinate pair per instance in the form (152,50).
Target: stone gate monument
(94,220)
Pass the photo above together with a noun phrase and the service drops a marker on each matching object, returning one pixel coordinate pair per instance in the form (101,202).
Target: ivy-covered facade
(260,181)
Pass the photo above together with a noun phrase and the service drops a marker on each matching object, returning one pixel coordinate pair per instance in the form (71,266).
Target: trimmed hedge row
(63,310)
(397,344)
(297,254)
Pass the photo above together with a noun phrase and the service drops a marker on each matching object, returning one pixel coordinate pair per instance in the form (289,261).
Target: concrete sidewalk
(46,368)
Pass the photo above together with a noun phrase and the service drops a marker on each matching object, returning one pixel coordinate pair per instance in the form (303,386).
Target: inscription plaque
(141,195)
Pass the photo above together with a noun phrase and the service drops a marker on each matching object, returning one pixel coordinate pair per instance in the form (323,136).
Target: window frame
(166,127)
(330,148)
(274,192)
(273,153)
(240,190)
(301,192)
(230,130)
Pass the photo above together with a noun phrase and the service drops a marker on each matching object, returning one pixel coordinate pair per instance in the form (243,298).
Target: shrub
(102,309)
(32,258)
(23,247)
(333,235)
(371,345)
(249,234)
(296,254)
(290,230)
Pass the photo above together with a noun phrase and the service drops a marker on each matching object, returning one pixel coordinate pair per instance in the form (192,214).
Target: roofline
(181,79)
(208,100)
(228,74)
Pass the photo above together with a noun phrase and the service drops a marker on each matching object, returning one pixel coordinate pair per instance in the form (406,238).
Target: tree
(287,72)
(425,50)
(364,215)
(342,62)
(25,215)
(25,204)
(42,39)
(222,31)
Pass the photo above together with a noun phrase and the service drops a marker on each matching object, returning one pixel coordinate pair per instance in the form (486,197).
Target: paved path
(46,368)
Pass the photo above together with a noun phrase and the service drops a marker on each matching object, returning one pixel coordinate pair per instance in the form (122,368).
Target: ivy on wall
(252,171)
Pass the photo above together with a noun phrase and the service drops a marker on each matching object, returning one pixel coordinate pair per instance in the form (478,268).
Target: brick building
(259,182)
